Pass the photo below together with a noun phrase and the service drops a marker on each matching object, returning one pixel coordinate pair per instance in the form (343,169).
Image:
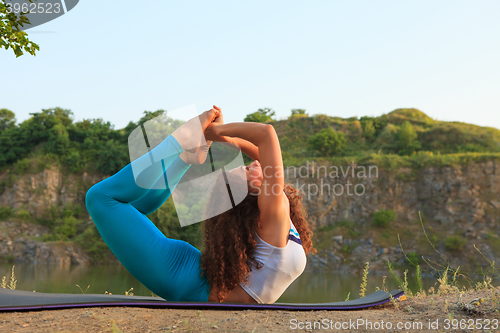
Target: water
(308,288)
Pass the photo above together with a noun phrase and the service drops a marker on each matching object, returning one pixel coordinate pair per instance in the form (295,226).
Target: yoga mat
(18,300)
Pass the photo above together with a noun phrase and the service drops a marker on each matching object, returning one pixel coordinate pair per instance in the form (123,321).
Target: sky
(115,59)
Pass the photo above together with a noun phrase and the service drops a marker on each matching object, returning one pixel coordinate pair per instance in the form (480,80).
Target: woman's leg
(170,268)
(157,196)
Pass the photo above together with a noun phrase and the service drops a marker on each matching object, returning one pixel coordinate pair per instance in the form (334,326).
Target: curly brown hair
(228,253)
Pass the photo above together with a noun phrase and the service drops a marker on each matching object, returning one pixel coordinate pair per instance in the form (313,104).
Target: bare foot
(207,117)
(190,135)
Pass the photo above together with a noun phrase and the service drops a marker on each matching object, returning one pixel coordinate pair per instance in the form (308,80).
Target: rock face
(18,243)
(462,200)
(36,193)
(467,196)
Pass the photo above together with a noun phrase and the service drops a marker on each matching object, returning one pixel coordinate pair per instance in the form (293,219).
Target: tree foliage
(7,119)
(327,142)
(368,130)
(10,34)
(90,144)
(408,138)
(260,116)
(299,113)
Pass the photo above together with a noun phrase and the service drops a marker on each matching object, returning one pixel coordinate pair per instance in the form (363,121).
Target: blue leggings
(168,267)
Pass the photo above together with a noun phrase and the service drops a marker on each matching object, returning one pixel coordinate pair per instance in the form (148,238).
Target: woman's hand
(219,119)
(212,133)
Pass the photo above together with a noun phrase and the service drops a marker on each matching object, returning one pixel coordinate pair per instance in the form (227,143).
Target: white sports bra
(280,267)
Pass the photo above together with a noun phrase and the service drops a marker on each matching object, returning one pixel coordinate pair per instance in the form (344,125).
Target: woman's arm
(263,137)
(245,146)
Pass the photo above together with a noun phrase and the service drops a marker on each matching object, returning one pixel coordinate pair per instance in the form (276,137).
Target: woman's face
(253,174)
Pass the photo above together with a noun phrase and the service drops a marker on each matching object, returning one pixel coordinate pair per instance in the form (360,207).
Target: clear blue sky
(114,59)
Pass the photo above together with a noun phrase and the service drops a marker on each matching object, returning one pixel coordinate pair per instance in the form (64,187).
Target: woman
(173,269)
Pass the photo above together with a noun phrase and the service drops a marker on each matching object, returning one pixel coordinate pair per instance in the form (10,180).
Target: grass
(12,283)
(362,289)
(448,280)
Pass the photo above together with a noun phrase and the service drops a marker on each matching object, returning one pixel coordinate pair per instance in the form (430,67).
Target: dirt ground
(423,314)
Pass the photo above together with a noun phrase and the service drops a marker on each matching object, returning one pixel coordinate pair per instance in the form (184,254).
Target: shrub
(91,242)
(327,142)
(22,166)
(368,130)
(5,212)
(299,113)
(383,217)
(413,258)
(23,215)
(260,116)
(73,161)
(407,139)
(454,243)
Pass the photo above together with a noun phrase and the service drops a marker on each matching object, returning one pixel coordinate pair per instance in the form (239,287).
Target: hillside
(432,136)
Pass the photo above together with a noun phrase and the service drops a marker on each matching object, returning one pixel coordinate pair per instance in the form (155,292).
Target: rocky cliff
(34,195)
(463,200)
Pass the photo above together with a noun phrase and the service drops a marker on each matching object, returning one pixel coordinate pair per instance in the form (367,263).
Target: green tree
(379,123)
(260,116)
(327,142)
(10,34)
(7,119)
(58,140)
(299,113)
(368,130)
(407,139)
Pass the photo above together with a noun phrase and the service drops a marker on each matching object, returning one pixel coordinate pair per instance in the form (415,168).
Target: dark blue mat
(17,300)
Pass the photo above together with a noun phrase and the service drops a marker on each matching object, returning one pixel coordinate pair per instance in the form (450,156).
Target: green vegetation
(10,34)
(12,282)
(407,139)
(455,243)
(401,138)
(5,212)
(261,116)
(299,113)
(362,289)
(383,218)
(327,142)
(23,215)
(7,119)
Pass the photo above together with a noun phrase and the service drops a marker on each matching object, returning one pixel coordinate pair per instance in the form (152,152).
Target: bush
(23,215)
(407,139)
(260,116)
(413,258)
(454,243)
(91,242)
(327,142)
(73,161)
(383,217)
(22,166)
(5,212)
